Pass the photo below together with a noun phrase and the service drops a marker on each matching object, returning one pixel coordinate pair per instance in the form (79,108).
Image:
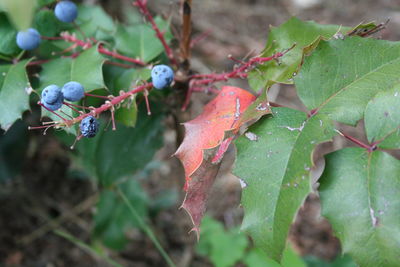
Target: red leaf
(207,138)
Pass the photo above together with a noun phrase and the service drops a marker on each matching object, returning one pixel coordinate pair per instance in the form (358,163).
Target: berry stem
(98,96)
(52,111)
(142,5)
(110,104)
(71,107)
(77,106)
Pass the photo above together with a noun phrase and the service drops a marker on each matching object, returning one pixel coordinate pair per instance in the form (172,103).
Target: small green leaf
(274,168)
(20,12)
(8,45)
(140,40)
(14,94)
(382,119)
(341,76)
(359,195)
(139,146)
(224,248)
(113,218)
(294,31)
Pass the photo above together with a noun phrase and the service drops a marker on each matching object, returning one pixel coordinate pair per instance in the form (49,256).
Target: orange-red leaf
(206,140)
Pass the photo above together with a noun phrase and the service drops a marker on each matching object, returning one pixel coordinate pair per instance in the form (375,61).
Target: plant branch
(142,5)
(85,45)
(240,72)
(108,105)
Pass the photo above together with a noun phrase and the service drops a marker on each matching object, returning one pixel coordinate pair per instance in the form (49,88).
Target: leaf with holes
(382,119)
(342,76)
(359,195)
(204,144)
(274,164)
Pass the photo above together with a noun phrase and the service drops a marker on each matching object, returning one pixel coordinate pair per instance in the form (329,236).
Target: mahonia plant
(78,65)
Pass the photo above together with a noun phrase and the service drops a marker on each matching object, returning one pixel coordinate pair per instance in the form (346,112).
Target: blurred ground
(44,191)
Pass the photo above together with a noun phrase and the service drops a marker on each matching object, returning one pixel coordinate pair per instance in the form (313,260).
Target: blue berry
(89,126)
(73,91)
(51,94)
(52,97)
(162,76)
(29,39)
(57,105)
(66,11)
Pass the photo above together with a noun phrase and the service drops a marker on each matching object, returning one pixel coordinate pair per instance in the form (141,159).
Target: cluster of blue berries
(65,11)
(162,76)
(53,96)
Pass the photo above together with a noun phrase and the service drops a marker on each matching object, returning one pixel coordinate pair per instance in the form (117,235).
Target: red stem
(85,45)
(142,5)
(104,51)
(109,104)
(370,148)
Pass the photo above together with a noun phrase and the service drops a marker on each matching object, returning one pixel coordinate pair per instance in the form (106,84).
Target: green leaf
(359,195)
(14,94)
(85,69)
(139,146)
(42,3)
(294,31)
(20,12)
(140,40)
(94,21)
(47,24)
(8,45)
(127,113)
(224,248)
(382,119)
(274,170)
(341,76)
(113,218)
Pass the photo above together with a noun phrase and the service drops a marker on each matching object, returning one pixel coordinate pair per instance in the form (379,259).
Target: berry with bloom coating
(29,39)
(73,91)
(89,126)
(52,97)
(162,76)
(66,11)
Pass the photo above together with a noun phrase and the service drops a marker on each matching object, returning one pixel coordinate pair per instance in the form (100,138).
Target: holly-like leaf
(85,69)
(359,195)
(294,31)
(8,44)
(140,40)
(204,137)
(341,76)
(14,93)
(274,160)
(382,119)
